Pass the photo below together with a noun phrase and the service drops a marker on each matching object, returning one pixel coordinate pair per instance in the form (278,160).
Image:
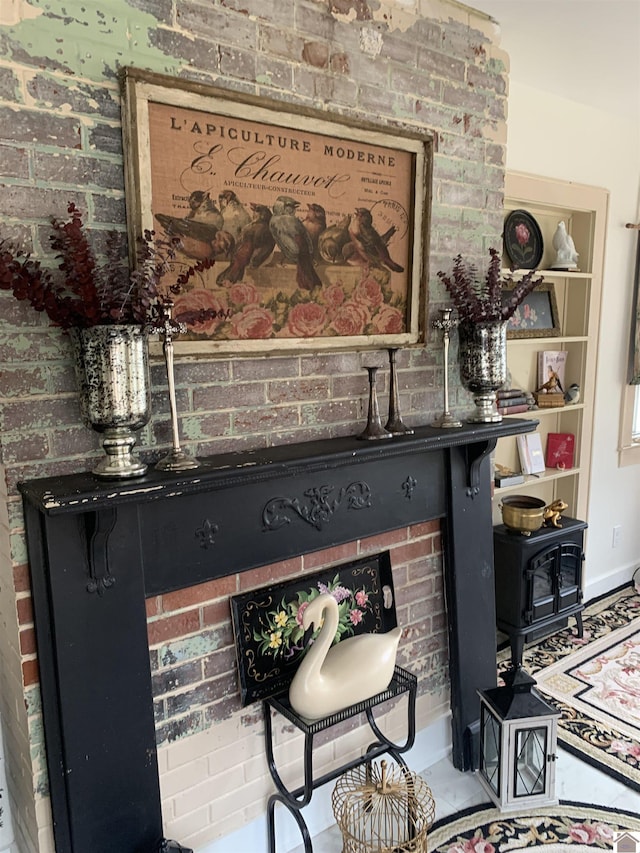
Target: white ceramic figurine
(330,679)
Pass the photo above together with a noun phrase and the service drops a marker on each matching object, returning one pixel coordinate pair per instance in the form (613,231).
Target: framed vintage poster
(316,227)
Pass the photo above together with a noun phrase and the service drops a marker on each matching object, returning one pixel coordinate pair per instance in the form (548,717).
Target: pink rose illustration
(522,234)
(355,617)
(333,296)
(253,322)
(389,321)
(197,300)
(350,319)
(582,833)
(369,292)
(300,613)
(362,599)
(478,845)
(244,294)
(306,319)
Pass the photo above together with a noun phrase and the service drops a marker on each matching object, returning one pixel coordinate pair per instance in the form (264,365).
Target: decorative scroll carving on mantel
(98,528)
(319,509)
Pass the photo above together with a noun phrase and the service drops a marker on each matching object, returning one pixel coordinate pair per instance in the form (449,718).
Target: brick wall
(428,65)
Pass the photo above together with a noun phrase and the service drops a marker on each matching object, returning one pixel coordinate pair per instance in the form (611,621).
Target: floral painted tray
(267,622)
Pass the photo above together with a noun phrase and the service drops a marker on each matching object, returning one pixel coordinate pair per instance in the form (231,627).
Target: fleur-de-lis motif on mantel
(408,487)
(207,533)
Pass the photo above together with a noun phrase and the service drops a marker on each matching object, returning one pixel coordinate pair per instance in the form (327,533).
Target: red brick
(153,606)
(25,611)
(424,528)
(28,642)
(30,672)
(198,594)
(331,555)
(21,580)
(382,541)
(213,614)
(265,575)
(161,630)
(411,551)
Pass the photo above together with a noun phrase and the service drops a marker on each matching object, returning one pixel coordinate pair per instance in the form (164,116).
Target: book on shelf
(507,393)
(560,449)
(551,371)
(513,410)
(503,476)
(530,452)
(506,402)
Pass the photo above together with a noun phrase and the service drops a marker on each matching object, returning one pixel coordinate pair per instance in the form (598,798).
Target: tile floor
(454,791)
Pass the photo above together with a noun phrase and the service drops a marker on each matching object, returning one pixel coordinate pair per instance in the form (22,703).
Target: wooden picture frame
(537,316)
(317,225)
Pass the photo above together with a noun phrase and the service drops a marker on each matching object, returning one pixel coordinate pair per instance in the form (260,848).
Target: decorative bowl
(522,513)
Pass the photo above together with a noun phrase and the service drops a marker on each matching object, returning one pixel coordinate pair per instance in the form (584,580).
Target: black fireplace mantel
(97,549)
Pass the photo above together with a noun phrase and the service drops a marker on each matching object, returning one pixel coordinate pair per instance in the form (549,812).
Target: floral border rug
(570,827)
(595,682)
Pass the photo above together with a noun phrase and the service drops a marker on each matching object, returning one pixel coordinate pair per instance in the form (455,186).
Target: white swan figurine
(330,679)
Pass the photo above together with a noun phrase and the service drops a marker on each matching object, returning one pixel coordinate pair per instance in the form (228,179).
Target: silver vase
(483,366)
(112,369)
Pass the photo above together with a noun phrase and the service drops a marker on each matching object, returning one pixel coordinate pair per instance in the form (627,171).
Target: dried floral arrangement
(89,293)
(481,301)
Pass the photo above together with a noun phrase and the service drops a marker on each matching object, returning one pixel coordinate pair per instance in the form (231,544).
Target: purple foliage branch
(85,293)
(480,301)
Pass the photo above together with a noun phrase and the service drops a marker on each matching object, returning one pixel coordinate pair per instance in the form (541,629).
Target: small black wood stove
(97,549)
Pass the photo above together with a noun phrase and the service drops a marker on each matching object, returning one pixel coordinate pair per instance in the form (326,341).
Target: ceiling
(584,50)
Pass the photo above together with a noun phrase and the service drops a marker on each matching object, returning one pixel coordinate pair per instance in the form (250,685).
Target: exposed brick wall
(417,65)
(196,685)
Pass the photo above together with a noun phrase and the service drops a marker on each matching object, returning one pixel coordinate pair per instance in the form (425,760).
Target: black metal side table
(295,800)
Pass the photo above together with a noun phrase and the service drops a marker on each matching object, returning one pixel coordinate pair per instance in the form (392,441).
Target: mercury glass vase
(483,366)
(112,369)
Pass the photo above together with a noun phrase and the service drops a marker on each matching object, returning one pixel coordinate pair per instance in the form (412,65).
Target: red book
(560,447)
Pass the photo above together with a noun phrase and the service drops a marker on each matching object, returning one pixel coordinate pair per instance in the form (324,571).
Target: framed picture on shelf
(537,316)
(523,240)
(316,225)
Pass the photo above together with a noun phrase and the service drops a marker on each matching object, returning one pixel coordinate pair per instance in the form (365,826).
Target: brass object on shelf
(522,513)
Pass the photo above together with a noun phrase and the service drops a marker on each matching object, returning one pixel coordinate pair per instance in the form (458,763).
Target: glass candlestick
(395,424)
(177,459)
(446,324)
(374,428)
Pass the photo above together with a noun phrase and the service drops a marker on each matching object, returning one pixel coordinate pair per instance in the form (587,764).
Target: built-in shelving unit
(578,294)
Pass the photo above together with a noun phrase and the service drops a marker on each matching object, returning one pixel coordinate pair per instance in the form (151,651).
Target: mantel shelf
(76,493)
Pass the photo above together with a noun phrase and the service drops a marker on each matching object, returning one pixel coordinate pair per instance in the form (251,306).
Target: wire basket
(382,810)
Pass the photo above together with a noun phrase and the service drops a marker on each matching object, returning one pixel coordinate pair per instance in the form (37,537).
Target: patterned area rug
(595,682)
(565,828)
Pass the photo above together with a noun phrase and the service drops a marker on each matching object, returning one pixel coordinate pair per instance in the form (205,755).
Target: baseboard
(432,744)
(607,584)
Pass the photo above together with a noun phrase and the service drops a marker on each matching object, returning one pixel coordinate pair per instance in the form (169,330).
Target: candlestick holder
(446,324)
(177,459)
(394,424)
(374,429)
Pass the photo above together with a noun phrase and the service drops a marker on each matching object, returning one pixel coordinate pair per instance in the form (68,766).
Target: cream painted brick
(202,743)
(256,768)
(230,756)
(238,799)
(45,840)
(190,824)
(206,792)
(174,782)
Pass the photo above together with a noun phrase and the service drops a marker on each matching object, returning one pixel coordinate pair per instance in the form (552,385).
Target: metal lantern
(383,810)
(518,735)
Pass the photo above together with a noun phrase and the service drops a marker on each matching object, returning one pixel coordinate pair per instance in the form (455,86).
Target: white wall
(555,137)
